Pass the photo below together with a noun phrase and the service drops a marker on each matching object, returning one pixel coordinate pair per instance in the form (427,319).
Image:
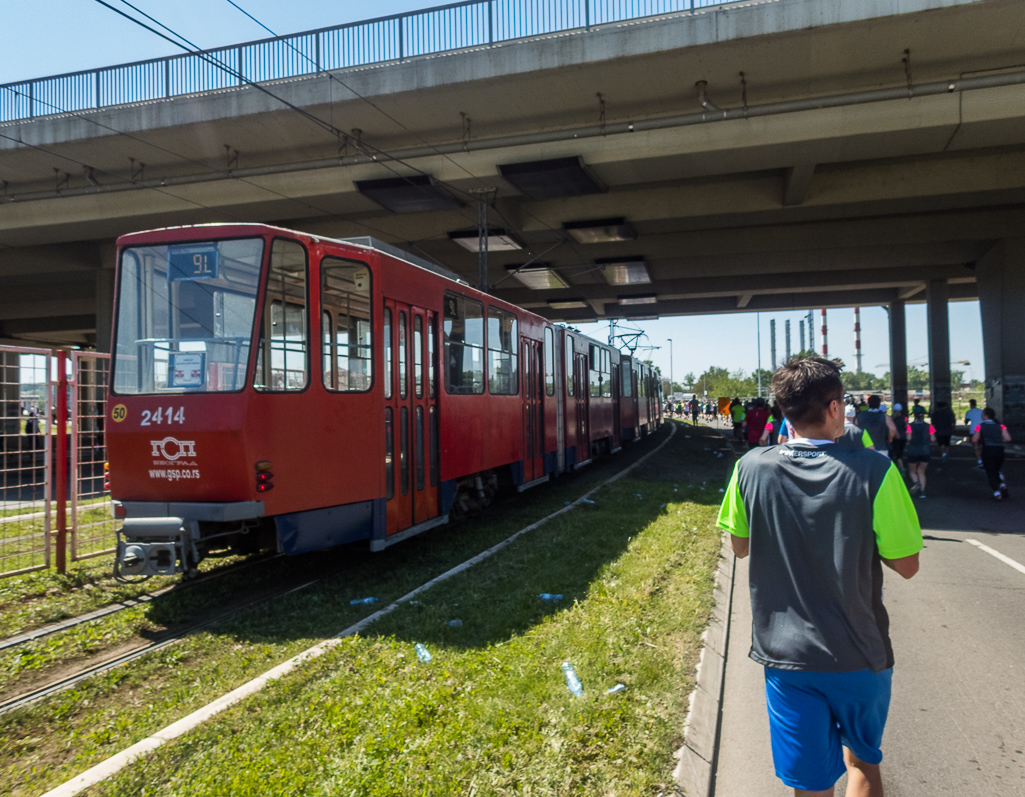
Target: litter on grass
(550,597)
(362,601)
(616,688)
(422,653)
(455,623)
(572,682)
(586,501)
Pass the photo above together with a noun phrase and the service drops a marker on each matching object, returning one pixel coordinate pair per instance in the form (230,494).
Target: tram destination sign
(187,263)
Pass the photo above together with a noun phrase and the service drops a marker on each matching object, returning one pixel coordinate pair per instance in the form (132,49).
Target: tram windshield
(185,316)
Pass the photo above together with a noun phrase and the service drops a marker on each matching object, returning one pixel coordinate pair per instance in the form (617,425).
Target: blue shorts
(811,714)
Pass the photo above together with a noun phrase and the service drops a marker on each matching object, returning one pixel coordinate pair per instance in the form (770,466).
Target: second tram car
(275,389)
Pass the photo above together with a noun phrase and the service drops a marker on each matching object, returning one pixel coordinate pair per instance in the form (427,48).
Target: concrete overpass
(738,157)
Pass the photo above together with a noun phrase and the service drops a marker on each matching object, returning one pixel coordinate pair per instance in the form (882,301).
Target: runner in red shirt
(757,417)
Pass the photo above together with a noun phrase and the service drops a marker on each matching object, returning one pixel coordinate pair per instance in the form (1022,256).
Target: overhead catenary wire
(373,153)
(447,156)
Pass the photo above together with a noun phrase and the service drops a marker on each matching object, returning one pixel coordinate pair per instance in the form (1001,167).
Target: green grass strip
(491,714)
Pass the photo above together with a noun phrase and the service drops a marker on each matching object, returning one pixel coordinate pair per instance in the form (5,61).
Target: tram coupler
(153,546)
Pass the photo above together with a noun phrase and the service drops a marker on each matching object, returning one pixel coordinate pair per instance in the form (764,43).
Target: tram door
(617,420)
(583,390)
(533,412)
(410,415)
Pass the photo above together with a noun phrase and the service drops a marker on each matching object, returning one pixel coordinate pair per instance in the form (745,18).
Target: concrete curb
(696,768)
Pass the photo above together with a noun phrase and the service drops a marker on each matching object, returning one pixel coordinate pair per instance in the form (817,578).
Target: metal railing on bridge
(457,26)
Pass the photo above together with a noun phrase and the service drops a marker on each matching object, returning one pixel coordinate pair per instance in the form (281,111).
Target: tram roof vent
(394,251)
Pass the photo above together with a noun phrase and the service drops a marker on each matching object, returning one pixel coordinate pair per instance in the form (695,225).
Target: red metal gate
(52,458)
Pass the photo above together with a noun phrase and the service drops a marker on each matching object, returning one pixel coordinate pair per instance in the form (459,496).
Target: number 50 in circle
(119,413)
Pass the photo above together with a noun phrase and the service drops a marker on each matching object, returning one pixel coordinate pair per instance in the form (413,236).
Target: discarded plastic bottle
(422,653)
(362,601)
(586,501)
(548,596)
(572,681)
(455,623)
(616,688)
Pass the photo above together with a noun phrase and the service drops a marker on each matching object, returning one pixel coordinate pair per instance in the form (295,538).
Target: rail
(447,28)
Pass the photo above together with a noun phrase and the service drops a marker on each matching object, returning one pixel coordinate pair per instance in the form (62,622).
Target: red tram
(275,389)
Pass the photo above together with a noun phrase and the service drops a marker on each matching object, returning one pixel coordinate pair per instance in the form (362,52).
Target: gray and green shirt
(819,517)
(854,437)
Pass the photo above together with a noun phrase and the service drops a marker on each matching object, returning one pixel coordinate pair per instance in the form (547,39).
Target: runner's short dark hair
(805,386)
(874,402)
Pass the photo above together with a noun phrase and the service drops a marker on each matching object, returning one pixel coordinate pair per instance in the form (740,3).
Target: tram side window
(569,365)
(606,373)
(594,372)
(628,381)
(503,377)
(345,300)
(464,345)
(282,362)
(549,362)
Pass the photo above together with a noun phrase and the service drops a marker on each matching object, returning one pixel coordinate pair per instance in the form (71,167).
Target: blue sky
(50,37)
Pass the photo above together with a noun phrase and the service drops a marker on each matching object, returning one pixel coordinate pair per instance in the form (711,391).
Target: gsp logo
(172,449)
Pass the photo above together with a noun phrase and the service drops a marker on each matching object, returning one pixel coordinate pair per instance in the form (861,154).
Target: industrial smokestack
(801,323)
(857,338)
(811,330)
(825,336)
(787,325)
(772,341)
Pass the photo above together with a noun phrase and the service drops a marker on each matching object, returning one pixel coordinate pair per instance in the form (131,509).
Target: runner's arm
(906,566)
(895,522)
(733,517)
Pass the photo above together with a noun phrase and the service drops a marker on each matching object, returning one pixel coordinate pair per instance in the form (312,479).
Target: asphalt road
(957,718)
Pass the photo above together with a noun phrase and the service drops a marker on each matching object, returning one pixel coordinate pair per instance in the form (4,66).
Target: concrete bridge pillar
(937,296)
(898,354)
(1001,279)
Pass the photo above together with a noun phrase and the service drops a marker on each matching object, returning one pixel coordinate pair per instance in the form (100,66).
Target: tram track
(42,632)
(139,651)
(125,757)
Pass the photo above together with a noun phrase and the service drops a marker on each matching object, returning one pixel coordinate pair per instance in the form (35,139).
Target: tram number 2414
(162,415)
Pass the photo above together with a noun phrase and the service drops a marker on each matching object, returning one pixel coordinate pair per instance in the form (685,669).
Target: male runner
(943,420)
(877,423)
(819,520)
(853,435)
(973,417)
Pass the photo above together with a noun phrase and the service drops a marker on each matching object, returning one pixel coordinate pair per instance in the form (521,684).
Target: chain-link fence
(25,445)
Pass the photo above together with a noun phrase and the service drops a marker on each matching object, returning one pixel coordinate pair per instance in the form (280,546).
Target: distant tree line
(722,382)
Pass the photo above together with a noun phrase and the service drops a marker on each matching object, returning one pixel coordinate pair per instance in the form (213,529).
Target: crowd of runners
(901,433)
